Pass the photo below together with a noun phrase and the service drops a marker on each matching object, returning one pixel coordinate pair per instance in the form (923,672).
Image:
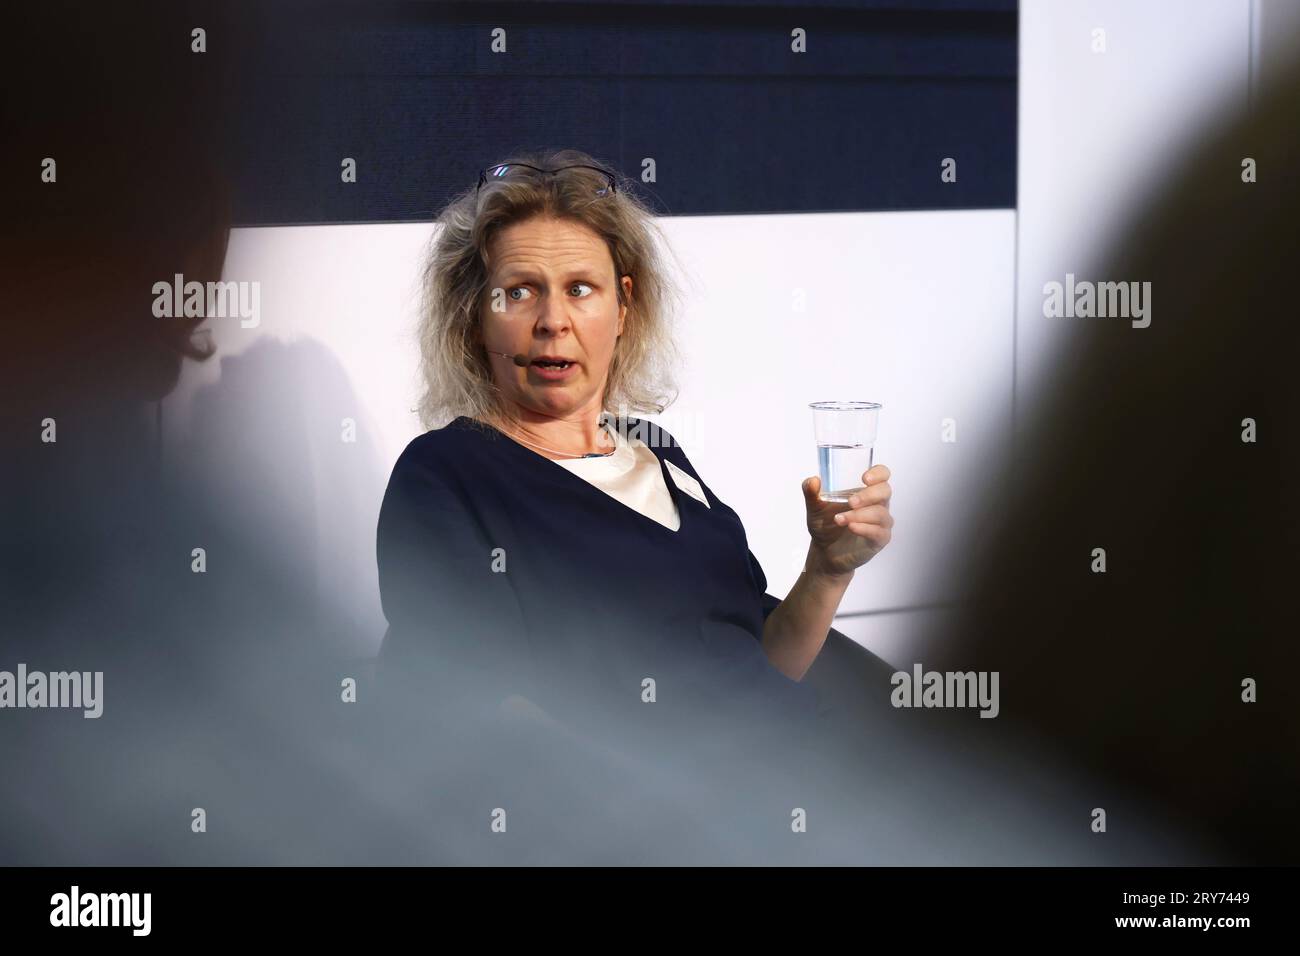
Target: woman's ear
(625,297)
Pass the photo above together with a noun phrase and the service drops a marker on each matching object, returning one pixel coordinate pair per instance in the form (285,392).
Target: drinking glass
(846,434)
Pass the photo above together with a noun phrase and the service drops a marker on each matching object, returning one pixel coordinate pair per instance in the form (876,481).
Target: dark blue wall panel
(736,122)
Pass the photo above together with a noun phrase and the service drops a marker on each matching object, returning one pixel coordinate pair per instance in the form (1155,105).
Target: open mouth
(546,363)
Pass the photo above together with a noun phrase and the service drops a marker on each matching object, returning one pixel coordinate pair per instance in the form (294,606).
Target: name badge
(687,483)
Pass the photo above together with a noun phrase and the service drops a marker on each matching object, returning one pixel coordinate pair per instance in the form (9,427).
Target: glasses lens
(509,171)
(599,181)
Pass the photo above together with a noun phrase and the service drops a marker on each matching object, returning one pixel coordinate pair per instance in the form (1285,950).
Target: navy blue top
(502,572)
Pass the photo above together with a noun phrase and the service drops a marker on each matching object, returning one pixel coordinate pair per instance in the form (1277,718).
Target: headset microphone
(519,358)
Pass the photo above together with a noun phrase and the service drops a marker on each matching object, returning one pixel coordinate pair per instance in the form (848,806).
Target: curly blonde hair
(457,377)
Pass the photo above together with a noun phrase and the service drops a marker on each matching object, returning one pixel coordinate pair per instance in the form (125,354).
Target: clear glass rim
(844,406)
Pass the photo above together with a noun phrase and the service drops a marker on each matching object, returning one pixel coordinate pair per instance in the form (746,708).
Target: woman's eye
(581,285)
(520,289)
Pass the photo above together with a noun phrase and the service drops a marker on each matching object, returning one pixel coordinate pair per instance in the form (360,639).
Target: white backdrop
(909,309)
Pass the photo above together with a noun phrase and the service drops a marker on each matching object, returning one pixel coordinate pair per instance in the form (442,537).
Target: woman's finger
(875,475)
(872,532)
(873,495)
(872,514)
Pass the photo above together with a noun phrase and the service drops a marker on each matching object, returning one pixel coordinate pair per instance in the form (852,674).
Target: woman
(537,549)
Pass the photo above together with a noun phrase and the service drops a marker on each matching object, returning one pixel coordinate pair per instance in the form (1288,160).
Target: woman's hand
(845,537)
(796,628)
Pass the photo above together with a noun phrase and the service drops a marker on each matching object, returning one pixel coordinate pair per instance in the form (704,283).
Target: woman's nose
(552,314)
